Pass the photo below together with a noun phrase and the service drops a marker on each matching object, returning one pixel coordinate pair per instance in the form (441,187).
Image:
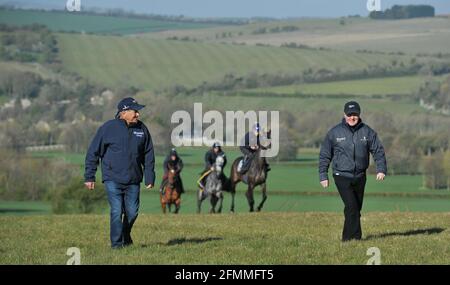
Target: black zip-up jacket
(178,164)
(248,141)
(348,149)
(210,158)
(124,150)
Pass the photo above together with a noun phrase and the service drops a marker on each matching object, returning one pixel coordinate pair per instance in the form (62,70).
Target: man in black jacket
(347,147)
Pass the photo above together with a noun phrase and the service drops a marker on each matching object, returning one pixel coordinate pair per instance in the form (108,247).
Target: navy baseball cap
(352,107)
(129,104)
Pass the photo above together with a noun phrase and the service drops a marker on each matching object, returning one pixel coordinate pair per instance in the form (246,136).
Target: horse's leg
(177,205)
(249,194)
(213,203)
(199,201)
(233,193)
(220,202)
(163,207)
(234,179)
(163,203)
(264,196)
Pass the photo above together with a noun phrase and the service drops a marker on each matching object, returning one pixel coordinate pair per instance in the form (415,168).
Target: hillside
(152,64)
(405,85)
(408,36)
(64,21)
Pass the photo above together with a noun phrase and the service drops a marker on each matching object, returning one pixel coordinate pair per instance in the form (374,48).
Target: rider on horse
(173,158)
(210,159)
(251,143)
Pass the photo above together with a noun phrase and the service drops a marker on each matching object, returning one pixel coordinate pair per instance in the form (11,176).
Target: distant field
(297,105)
(263,238)
(422,35)
(298,176)
(68,22)
(365,87)
(292,187)
(151,64)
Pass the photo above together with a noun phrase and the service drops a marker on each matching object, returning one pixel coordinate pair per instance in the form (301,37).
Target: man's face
(130,116)
(173,157)
(351,119)
(216,149)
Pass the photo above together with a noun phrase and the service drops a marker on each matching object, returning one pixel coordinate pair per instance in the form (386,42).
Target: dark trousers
(351,191)
(124,202)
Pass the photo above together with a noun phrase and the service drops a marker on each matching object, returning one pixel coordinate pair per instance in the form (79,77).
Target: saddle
(244,176)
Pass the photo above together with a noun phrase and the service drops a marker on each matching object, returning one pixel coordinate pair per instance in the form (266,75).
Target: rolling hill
(64,21)
(151,64)
(421,35)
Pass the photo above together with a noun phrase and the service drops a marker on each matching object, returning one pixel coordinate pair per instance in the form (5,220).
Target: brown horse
(172,190)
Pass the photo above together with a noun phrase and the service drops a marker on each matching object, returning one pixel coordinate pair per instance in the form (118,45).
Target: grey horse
(213,187)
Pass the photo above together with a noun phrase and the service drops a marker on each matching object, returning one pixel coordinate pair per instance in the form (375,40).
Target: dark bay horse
(255,176)
(172,190)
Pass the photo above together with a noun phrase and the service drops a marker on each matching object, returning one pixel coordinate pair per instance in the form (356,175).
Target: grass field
(264,238)
(292,187)
(297,105)
(284,177)
(74,22)
(405,85)
(152,64)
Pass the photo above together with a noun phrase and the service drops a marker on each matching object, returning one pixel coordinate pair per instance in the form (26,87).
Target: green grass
(299,105)
(152,64)
(405,85)
(326,201)
(24,208)
(68,22)
(264,238)
(298,176)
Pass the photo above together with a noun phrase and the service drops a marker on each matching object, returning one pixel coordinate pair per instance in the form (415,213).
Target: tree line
(404,12)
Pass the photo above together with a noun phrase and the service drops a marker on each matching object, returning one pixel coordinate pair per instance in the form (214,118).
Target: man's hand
(90,185)
(149,186)
(380,176)
(324,183)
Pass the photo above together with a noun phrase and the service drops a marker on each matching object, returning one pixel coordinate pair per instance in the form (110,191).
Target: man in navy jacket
(124,146)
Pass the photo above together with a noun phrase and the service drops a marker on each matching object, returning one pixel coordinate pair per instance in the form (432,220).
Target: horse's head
(220,160)
(173,173)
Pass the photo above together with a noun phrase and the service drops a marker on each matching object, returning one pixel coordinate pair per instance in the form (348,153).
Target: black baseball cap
(352,107)
(129,104)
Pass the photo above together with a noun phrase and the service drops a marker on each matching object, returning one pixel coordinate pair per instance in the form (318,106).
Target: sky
(236,8)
